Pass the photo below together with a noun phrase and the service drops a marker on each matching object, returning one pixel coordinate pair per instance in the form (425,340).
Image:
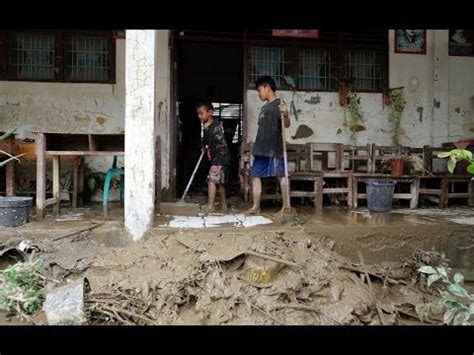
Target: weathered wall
(64,107)
(439,92)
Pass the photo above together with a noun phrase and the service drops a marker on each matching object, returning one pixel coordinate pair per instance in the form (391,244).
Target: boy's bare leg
(223,200)
(284,187)
(257,195)
(211,197)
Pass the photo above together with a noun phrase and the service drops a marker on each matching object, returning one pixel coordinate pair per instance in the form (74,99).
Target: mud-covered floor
(207,274)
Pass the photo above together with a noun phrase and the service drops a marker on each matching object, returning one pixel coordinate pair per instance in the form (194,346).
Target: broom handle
(192,176)
(285,158)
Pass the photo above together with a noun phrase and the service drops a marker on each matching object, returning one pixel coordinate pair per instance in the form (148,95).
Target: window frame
(59,55)
(338,45)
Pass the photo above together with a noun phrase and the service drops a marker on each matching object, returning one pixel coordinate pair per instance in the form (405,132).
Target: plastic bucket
(14,211)
(380,195)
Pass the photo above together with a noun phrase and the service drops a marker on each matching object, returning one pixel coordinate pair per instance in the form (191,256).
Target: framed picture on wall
(461,43)
(410,41)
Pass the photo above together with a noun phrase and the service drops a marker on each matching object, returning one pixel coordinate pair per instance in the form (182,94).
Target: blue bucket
(380,195)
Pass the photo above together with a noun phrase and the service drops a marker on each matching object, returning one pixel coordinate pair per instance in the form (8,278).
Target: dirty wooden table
(75,146)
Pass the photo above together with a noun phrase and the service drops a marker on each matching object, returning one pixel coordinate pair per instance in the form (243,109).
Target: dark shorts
(268,167)
(217,174)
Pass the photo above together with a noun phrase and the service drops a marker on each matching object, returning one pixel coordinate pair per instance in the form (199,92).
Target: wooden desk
(76,146)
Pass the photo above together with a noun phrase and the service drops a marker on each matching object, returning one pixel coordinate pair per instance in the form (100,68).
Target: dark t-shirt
(269,142)
(214,139)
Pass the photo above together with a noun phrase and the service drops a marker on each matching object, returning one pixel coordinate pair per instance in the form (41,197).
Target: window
(62,56)
(230,114)
(316,69)
(356,59)
(364,69)
(87,58)
(31,56)
(268,61)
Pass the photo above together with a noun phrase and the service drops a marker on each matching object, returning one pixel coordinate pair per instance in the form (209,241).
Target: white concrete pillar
(139,131)
(441,87)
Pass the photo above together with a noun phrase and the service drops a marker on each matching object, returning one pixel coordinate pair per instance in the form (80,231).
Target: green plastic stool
(111,173)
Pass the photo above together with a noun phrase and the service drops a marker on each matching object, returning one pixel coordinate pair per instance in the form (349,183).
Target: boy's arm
(284,114)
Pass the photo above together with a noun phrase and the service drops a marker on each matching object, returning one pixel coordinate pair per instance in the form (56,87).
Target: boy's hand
(283,108)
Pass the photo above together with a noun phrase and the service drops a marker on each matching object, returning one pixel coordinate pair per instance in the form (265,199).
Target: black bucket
(380,195)
(14,211)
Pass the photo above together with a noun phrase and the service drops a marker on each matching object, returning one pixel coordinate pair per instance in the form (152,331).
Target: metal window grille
(268,61)
(231,117)
(364,69)
(87,58)
(31,56)
(316,68)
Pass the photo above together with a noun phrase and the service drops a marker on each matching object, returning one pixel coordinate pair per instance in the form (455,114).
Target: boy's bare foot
(254,210)
(209,209)
(224,208)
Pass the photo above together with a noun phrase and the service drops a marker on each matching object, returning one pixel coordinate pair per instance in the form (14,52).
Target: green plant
(21,288)
(456,155)
(395,112)
(355,123)
(456,304)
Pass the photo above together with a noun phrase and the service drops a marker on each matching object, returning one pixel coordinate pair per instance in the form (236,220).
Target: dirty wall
(439,91)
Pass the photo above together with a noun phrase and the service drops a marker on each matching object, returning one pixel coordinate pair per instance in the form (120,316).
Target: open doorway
(212,71)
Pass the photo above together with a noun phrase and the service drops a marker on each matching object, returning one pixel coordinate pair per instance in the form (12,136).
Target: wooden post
(355,192)
(75,172)
(10,169)
(81,180)
(40,148)
(443,198)
(415,192)
(56,183)
(470,189)
(349,193)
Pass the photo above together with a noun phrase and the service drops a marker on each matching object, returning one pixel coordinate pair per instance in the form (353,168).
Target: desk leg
(319,193)
(81,181)
(40,147)
(355,192)
(75,172)
(415,192)
(56,183)
(350,199)
(10,179)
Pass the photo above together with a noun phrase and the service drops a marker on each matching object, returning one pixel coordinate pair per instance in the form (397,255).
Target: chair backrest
(325,153)
(296,156)
(383,152)
(357,158)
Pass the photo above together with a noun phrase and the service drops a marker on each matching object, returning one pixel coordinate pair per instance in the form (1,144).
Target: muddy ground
(247,276)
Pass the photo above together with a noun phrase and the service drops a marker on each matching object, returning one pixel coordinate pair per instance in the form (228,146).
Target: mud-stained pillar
(139,131)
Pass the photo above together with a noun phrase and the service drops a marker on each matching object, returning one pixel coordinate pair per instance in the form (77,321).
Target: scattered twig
(267,314)
(78,232)
(366,275)
(131,314)
(263,256)
(303,307)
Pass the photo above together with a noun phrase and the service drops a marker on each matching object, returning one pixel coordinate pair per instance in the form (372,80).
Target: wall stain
(303,131)
(101,120)
(420,112)
(313,100)
(82,119)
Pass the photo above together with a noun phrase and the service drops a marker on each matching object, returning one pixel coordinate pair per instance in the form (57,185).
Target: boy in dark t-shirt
(217,153)
(268,148)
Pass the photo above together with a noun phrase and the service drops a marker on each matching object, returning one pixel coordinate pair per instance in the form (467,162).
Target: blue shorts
(268,167)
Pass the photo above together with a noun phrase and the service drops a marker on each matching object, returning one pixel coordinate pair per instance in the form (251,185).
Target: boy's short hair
(266,80)
(205,103)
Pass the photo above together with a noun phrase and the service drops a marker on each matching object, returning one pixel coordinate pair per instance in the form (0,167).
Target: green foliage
(21,288)
(355,123)
(456,304)
(457,155)
(395,112)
